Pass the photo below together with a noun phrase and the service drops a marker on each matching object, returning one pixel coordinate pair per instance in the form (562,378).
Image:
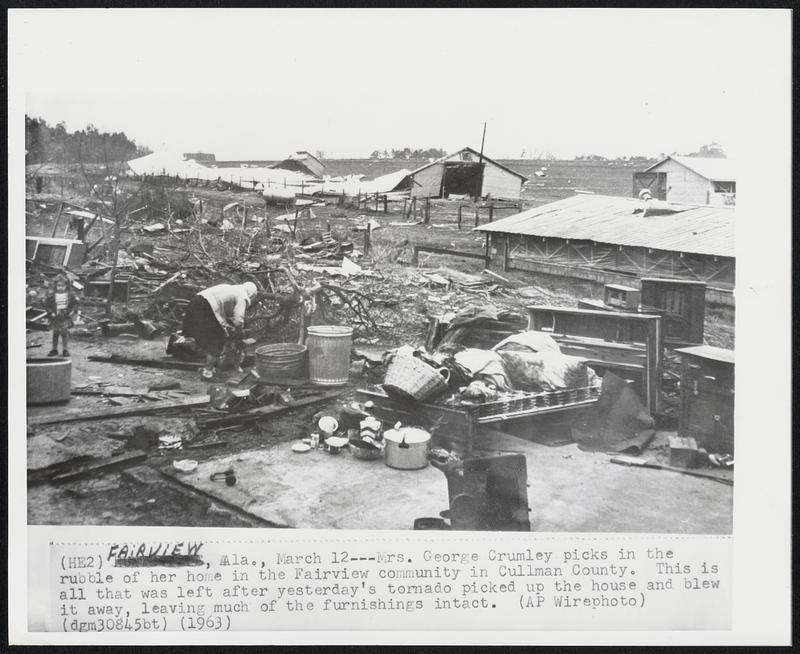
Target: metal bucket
(329,354)
(48,380)
(281,361)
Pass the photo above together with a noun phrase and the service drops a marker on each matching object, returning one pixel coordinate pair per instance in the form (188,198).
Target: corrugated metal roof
(172,163)
(716,169)
(476,153)
(699,229)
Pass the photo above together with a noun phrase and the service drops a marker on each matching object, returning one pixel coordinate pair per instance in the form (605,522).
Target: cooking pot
(406,447)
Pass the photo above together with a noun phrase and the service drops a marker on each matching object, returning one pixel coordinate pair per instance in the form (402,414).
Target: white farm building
(694,180)
(466,172)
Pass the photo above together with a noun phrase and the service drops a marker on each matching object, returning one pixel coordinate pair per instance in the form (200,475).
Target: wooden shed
(619,240)
(469,173)
(699,180)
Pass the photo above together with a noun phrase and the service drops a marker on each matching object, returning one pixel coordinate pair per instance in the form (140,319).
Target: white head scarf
(251,289)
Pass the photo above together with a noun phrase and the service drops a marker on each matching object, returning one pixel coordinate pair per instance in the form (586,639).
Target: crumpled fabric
(480,391)
(546,371)
(530,341)
(473,314)
(484,365)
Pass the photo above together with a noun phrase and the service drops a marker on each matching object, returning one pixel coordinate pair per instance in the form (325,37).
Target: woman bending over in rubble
(61,306)
(215,317)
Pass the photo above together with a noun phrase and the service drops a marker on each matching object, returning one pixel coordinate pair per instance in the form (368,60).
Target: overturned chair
(486,493)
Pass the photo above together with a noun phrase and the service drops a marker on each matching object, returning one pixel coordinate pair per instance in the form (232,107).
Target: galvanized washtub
(48,380)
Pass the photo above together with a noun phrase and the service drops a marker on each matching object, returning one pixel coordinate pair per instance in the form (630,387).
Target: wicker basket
(410,378)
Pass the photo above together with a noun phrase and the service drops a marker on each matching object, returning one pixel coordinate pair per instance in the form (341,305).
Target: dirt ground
(150,494)
(134,498)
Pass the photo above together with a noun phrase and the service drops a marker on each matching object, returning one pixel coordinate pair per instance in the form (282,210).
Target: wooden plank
(114,462)
(57,220)
(262,412)
(639,463)
(147,363)
(121,391)
(67,414)
(453,253)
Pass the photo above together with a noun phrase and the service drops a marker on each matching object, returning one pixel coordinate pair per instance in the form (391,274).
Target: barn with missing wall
(466,173)
(619,240)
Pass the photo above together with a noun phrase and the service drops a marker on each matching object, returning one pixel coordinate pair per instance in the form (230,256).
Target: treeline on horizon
(408,153)
(45,143)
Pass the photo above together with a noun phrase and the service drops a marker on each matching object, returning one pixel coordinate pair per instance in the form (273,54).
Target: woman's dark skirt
(202,325)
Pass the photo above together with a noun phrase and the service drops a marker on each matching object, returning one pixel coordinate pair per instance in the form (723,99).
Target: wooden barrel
(48,380)
(280,361)
(329,354)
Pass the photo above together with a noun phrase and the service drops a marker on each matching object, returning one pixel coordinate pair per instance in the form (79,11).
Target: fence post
(505,254)
(385,203)
(477,215)
(427,210)
(368,239)
(376,202)
(57,220)
(405,202)
(459,216)
(491,212)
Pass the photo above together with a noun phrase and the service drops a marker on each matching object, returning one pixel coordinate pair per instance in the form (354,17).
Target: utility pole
(480,165)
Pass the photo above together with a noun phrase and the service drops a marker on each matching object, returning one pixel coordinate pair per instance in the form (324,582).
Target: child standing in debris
(215,316)
(61,306)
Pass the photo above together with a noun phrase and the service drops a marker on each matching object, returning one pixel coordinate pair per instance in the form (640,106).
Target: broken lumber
(259,413)
(168,281)
(631,461)
(121,391)
(206,446)
(491,273)
(111,463)
(453,253)
(146,363)
(67,414)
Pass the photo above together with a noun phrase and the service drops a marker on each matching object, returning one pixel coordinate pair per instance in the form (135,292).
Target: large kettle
(406,447)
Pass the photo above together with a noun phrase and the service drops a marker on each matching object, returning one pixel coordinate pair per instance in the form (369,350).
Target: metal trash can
(329,354)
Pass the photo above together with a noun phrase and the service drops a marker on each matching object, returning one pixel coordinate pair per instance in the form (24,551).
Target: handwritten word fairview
(137,550)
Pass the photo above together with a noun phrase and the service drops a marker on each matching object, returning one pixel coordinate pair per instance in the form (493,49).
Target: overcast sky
(247,84)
